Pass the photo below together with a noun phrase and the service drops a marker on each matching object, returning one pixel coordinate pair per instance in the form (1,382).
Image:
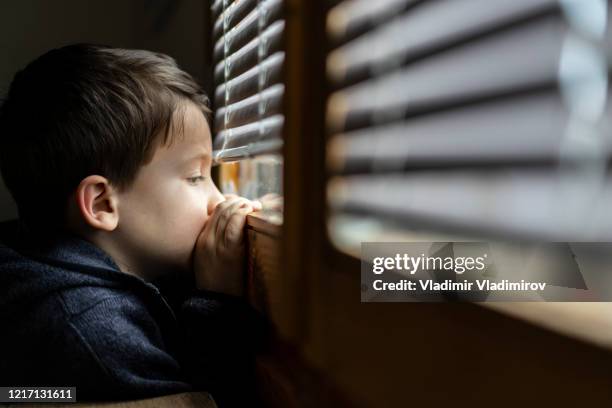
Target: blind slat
(234,12)
(265,129)
(263,75)
(265,13)
(217,8)
(350,19)
(483,68)
(247,57)
(418,33)
(469,136)
(520,203)
(249,150)
(251,109)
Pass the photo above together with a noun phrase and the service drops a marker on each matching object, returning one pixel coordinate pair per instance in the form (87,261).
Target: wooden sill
(266,222)
(589,321)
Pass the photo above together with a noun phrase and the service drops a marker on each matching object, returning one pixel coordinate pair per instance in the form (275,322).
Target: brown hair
(86,109)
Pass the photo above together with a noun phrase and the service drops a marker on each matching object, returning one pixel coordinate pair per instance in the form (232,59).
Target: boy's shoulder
(101,340)
(68,273)
(78,300)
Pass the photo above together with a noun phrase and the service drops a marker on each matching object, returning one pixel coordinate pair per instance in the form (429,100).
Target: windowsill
(587,321)
(267,222)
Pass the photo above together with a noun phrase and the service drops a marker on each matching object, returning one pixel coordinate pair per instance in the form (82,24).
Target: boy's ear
(97,202)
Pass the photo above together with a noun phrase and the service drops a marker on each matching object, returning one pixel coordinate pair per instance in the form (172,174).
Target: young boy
(107,153)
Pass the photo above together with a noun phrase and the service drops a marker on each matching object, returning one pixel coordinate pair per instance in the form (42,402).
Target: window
(469,118)
(248,94)
(375,145)
(407,132)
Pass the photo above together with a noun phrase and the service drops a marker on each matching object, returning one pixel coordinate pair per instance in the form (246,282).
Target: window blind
(472,116)
(248,57)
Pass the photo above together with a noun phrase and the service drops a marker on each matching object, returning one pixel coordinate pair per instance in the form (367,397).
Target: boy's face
(163,212)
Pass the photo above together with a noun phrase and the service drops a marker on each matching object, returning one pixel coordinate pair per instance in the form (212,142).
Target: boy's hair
(86,109)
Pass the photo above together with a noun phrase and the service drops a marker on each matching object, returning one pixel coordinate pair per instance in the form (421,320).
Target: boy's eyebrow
(199,157)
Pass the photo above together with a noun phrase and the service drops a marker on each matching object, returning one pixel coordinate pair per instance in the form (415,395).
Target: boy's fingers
(219,212)
(235,227)
(232,230)
(219,218)
(256,204)
(213,222)
(227,212)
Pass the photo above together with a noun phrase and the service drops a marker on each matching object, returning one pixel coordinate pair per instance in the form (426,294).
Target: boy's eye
(195,179)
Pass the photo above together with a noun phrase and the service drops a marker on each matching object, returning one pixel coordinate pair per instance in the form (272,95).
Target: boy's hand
(219,256)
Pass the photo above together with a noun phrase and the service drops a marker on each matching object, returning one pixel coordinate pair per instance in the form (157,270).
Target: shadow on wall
(28,28)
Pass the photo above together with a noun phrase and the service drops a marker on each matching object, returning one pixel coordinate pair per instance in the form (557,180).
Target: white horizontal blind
(478,116)
(248,95)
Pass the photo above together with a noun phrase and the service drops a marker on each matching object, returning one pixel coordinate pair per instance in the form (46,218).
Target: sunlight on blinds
(471,117)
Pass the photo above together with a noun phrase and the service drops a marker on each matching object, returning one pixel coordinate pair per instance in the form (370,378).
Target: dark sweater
(70,317)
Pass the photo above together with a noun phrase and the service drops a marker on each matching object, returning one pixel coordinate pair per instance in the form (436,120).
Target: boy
(107,153)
